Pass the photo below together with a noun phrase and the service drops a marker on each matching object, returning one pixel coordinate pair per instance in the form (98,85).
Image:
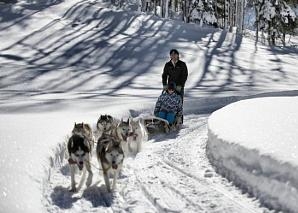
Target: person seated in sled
(169,104)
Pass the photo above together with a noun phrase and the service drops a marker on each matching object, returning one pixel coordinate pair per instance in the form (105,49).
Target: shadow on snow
(97,195)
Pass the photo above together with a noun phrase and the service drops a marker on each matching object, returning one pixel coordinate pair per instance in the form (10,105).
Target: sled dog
(84,130)
(79,150)
(120,132)
(105,124)
(110,156)
(137,134)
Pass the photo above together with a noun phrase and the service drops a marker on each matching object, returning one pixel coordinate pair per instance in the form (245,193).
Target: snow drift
(248,144)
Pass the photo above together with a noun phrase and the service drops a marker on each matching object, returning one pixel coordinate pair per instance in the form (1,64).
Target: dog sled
(157,125)
(170,105)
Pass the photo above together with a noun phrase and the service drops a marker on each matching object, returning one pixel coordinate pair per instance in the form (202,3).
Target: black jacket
(177,74)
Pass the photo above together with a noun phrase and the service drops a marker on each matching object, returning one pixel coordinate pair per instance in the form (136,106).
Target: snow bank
(254,144)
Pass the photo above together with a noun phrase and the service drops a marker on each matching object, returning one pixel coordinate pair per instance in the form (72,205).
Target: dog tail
(144,129)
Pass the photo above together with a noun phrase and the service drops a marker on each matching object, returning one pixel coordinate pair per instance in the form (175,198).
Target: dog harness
(133,134)
(71,161)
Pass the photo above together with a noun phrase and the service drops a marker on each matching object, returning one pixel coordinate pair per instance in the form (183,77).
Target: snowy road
(81,59)
(171,174)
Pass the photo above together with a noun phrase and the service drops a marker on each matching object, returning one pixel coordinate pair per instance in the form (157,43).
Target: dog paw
(109,190)
(73,189)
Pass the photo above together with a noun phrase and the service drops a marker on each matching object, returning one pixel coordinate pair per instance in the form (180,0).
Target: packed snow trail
(171,174)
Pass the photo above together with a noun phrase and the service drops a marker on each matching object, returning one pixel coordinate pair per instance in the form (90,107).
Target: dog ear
(69,146)
(70,143)
(118,124)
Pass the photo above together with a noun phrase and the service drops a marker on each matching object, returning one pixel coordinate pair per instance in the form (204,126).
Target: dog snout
(81,165)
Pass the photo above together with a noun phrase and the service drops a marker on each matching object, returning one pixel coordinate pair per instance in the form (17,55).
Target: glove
(165,87)
(178,88)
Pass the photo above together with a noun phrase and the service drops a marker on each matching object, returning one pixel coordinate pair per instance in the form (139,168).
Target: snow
(71,61)
(257,145)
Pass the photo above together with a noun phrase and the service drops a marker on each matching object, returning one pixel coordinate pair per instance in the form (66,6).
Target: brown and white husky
(110,156)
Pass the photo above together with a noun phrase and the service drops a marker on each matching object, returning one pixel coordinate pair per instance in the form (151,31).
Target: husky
(79,150)
(105,124)
(110,156)
(84,130)
(120,132)
(137,134)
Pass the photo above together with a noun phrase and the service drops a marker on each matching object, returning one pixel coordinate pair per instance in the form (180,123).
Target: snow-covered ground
(71,61)
(256,148)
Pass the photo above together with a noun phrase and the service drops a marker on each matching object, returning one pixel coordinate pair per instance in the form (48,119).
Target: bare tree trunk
(167,8)
(184,10)
(173,6)
(140,5)
(225,22)
(243,15)
(230,12)
(216,12)
(269,33)
(179,6)
(257,22)
(189,10)
(239,15)
(284,39)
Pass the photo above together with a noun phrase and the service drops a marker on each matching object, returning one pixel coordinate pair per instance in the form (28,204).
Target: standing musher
(175,71)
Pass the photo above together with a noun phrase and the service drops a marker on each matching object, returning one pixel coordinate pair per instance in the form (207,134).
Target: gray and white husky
(84,130)
(105,124)
(120,132)
(110,156)
(137,135)
(79,150)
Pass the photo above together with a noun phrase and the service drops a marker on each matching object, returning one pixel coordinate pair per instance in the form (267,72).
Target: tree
(203,11)
(285,20)
(275,18)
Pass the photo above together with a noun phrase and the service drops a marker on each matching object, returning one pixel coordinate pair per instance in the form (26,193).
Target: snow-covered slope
(71,61)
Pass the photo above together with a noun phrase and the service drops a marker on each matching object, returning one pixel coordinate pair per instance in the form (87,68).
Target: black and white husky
(79,147)
(79,150)
(110,156)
